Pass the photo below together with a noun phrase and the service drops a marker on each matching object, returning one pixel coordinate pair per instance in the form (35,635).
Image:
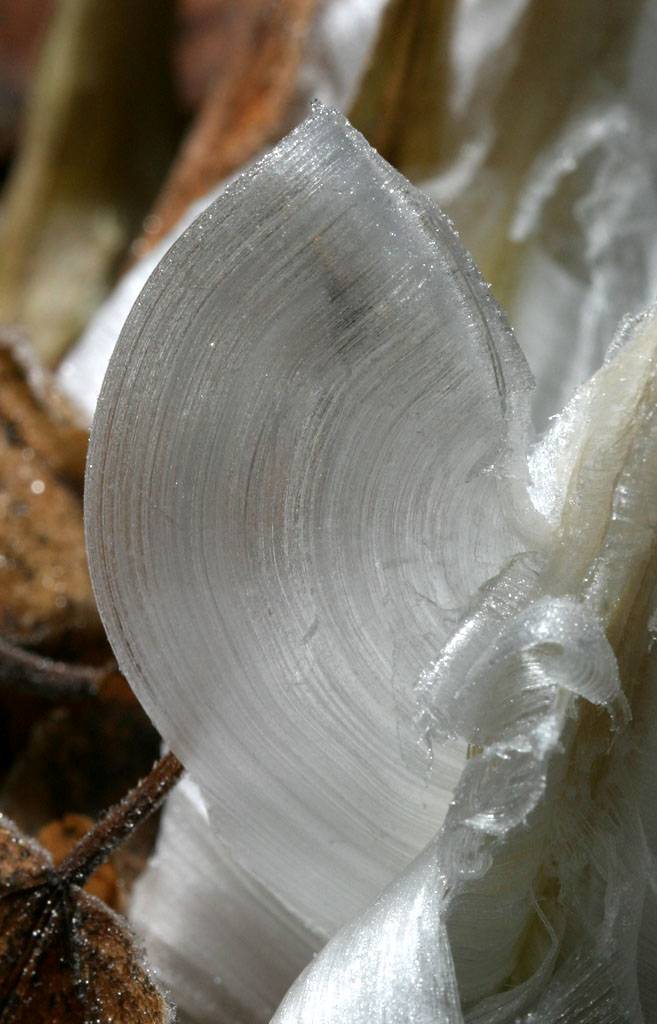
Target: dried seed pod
(59,837)
(81,758)
(64,955)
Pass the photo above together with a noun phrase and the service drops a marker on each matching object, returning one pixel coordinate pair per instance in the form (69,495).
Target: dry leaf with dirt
(50,632)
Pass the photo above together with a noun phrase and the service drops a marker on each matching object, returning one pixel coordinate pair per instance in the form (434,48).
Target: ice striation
(339,447)
(321,554)
(555,197)
(533,902)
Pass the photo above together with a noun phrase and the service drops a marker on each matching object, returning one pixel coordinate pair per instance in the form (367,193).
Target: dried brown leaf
(244,110)
(23,26)
(64,956)
(34,412)
(46,599)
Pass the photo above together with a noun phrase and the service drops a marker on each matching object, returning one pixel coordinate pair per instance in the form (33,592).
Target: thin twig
(117,823)
(30,672)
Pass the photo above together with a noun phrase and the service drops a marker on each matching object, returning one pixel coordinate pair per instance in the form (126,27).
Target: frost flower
(329,559)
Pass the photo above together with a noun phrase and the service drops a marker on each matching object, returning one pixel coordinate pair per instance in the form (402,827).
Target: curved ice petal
(300,459)
(532,903)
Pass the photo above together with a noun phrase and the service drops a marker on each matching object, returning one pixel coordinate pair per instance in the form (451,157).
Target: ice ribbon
(528,906)
(325,388)
(325,458)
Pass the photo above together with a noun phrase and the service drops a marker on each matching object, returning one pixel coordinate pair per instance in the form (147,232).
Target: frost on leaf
(64,956)
(51,639)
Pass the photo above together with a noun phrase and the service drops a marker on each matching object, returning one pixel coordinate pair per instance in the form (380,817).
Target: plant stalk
(119,821)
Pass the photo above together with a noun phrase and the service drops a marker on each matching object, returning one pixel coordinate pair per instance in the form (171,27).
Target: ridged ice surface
(308,487)
(556,199)
(311,537)
(532,904)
